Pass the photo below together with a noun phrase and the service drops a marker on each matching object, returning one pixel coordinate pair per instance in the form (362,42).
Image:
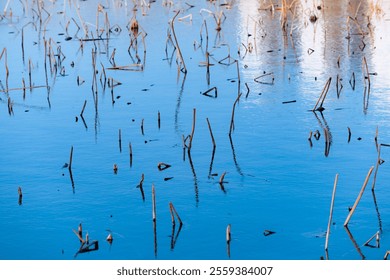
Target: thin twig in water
(331,212)
(359,197)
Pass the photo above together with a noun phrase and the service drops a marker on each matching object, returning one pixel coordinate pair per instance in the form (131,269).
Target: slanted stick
(173,211)
(386,255)
(331,212)
(376,236)
(184,69)
(228,234)
(228,239)
(322,96)
(359,197)
(221,179)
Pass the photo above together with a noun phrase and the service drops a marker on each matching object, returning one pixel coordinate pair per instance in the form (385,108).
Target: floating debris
(268,232)
(115,168)
(109,238)
(162,166)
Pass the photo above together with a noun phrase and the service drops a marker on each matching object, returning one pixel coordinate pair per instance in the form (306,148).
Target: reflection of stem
(328,135)
(195,178)
(71,178)
(377,211)
(228,239)
(234,156)
(376,166)
(177,110)
(366,97)
(212,161)
(175,237)
(233,111)
(354,243)
(154,214)
(155,237)
(193,130)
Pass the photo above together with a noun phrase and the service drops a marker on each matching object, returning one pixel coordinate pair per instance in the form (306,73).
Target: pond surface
(139,106)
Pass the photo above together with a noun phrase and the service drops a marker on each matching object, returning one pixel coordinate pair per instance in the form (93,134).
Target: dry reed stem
(228,234)
(331,212)
(322,96)
(173,211)
(21,88)
(81,20)
(376,236)
(79,236)
(359,197)
(228,239)
(4,53)
(172,215)
(221,179)
(184,69)
(386,255)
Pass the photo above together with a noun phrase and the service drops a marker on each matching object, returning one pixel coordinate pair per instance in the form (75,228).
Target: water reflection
(278,57)
(319,39)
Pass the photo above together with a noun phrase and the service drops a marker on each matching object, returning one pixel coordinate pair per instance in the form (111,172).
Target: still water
(139,107)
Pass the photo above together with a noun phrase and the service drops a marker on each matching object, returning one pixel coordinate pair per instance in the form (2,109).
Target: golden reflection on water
(319,37)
